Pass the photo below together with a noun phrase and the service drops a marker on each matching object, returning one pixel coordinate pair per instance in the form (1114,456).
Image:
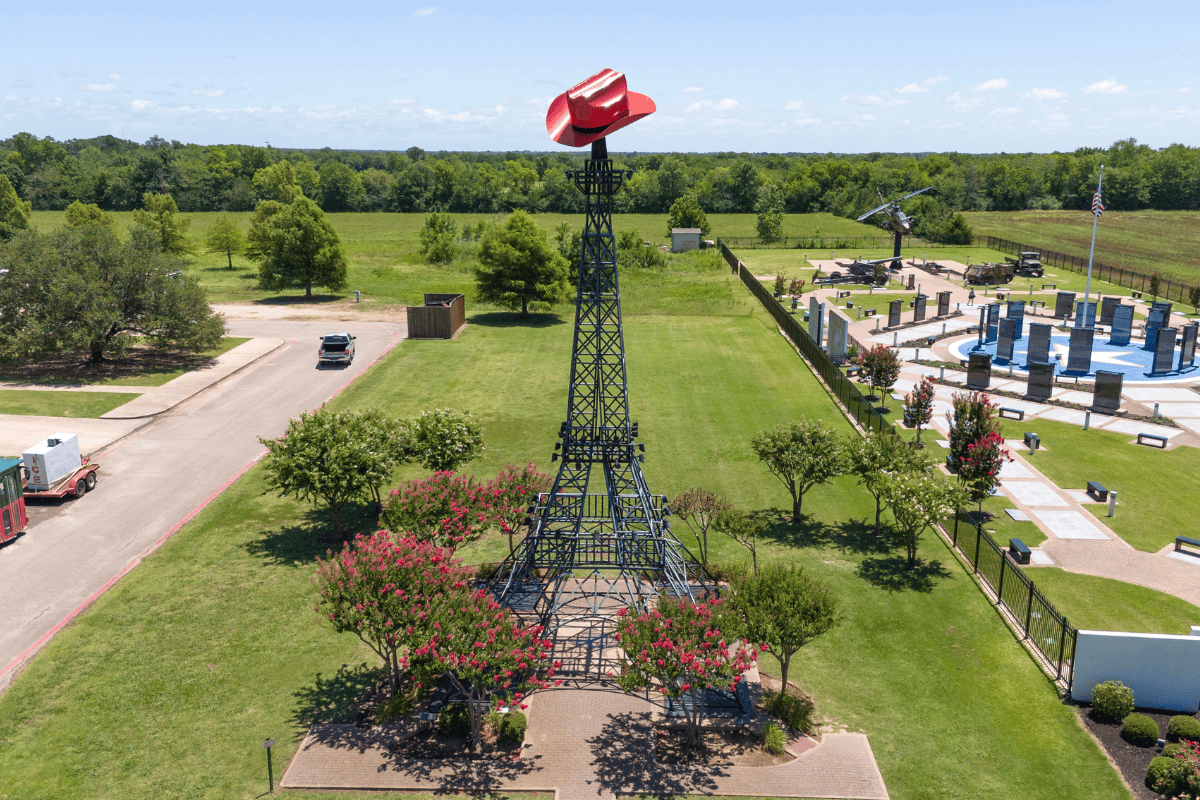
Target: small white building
(684,239)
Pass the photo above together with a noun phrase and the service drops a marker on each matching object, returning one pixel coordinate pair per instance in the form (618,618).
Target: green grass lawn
(79,405)
(1154,485)
(167,686)
(1103,604)
(139,367)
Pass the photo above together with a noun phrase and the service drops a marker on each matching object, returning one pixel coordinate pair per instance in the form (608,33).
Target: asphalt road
(156,478)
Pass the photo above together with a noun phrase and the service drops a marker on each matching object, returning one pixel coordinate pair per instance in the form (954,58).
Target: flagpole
(1087,291)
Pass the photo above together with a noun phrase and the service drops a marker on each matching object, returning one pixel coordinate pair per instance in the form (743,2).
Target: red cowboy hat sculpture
(595,108)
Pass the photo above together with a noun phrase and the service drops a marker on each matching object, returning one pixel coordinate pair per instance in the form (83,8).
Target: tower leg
(896,251)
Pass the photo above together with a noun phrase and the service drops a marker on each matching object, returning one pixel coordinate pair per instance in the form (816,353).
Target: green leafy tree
(80,214)
(699,509)
(518,265)
(225,238)
(956,230)
(801,455)
(972,416)
(443,440)
(341,187)
(881,366)
(979,470)
(332,458)
(1155,284)
(686,213)
(785,608)
(918,501)
(85,289)
(295,245)
(632,251)
(875,459)
(745,528)
(277,182)
(437,238)
(160,216)
(769,222)
(918,404)
(14,212)
(1194,298)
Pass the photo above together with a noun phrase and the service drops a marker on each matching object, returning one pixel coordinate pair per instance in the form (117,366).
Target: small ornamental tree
(801,455)
(443,440)
(444,508)
(699,509)
(972,416)
(780,284)
(485,651)
(511,493)
(796,287)
(875,458)
(919,500)
(882,368)
(918,404)
(1194,298)
(387,591)
(786,609)
(979,470)
(743,528)
(681,648)
(519,267)
(1155,284)
(225,238)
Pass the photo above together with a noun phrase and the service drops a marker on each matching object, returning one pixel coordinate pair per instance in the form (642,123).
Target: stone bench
(868,312)
(1049,286)
(852,371)
(1180,541)
(1019,550)
(1015,412)
(1037,303)
(1152,437)
(1032,440)
(1097,491)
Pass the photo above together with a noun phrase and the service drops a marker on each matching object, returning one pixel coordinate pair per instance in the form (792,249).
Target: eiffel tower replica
(599,540)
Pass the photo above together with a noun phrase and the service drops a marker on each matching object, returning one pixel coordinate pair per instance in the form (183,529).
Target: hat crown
(600,100)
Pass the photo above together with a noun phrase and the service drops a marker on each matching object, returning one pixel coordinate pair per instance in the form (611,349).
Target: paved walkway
(582,743)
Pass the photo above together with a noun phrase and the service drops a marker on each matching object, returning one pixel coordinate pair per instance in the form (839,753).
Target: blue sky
(758,77)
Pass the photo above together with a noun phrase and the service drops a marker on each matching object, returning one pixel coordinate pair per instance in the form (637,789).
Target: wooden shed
(442,317)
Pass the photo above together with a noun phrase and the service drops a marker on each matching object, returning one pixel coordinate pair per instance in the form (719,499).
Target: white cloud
(912,88)
(116,76)
(961,103)
(994,83)
(693,89)
(937,79)
(396,101)
(98,87)
(1185,89)
(795,105)
(499,109)
(698,106)
(1109,86)
(727,104)
(142,105)
(1005,111)
(209,92)
(1045,94)
(864,117)
(424,12)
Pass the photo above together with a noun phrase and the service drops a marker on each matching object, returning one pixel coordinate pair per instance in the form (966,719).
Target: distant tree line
(115,174)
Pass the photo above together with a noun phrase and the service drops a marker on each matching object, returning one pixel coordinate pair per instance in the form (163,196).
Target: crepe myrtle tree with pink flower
(487,653)
(682,648)
(447,509)
(979,471)
(509,495)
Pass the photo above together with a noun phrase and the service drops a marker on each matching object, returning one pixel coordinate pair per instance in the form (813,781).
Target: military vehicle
(1027,264)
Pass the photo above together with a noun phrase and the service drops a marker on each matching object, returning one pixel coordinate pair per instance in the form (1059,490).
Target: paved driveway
(158,476)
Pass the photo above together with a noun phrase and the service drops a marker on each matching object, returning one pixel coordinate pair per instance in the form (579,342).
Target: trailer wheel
(91,481)
(80,487)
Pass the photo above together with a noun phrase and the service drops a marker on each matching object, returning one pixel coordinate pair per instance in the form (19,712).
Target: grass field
(1146,241)
(140,366)
(78,405)
(168,684)
(1102,604)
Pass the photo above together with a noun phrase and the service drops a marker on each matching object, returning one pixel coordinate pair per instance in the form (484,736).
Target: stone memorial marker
(1165,308)
(979,371)
(1106,309)
(919,308)
(1187,353)
(1164,350)
(1016,312)
(993,321)
(816,319)
(1039,344)
(1040,384)
(1063,303)
(1004,346)
(943,303)
(894,312)
(1122,325)
(839,327)
(1079,354)
(1151,337)
(1106,395)
(1085,315)
(912,281)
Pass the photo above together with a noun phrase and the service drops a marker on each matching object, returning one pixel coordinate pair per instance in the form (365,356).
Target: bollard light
(1112,503)
(1087,419)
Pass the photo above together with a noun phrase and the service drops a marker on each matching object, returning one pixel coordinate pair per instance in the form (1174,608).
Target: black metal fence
(1034,618)
(1137,281)
(1046,629)
(855,403)
(827,242)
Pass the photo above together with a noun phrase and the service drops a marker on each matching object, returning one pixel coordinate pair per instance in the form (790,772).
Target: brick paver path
(591,741)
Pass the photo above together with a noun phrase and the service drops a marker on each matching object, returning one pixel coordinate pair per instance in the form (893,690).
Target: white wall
(1162,670)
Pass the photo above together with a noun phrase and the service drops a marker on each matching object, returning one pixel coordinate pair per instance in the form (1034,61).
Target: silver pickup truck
(336,348)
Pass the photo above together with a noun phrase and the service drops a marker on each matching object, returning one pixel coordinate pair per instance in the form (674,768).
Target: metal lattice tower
(593,547)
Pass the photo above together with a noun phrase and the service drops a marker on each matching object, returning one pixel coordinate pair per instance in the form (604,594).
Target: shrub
(455,721)
(795,712)
(773,738)
(398,705)
(1112,700)
(1164,775)
(512,727)
(1183,727)
(1140,730)
(1173,750)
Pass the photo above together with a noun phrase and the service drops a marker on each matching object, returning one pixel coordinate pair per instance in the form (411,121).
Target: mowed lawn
(167,686)
(45,403)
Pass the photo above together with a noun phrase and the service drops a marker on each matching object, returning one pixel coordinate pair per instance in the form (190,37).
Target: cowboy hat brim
(558,120)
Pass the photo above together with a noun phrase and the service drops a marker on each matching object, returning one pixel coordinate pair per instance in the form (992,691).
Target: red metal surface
(67,485)
(595,108)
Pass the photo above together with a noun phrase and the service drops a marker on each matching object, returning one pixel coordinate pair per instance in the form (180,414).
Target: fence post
(1062,643)
(957,513)
(978,537)
(1029,609)
(1000,590)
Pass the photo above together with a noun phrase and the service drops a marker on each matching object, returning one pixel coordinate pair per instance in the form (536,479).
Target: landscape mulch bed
(1130,759)
(732,748)
(73,368)
(431,744)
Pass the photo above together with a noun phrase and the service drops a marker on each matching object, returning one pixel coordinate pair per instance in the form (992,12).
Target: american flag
(1097,206)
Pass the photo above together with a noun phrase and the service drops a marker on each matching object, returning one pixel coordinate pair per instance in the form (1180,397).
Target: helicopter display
(898,222)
